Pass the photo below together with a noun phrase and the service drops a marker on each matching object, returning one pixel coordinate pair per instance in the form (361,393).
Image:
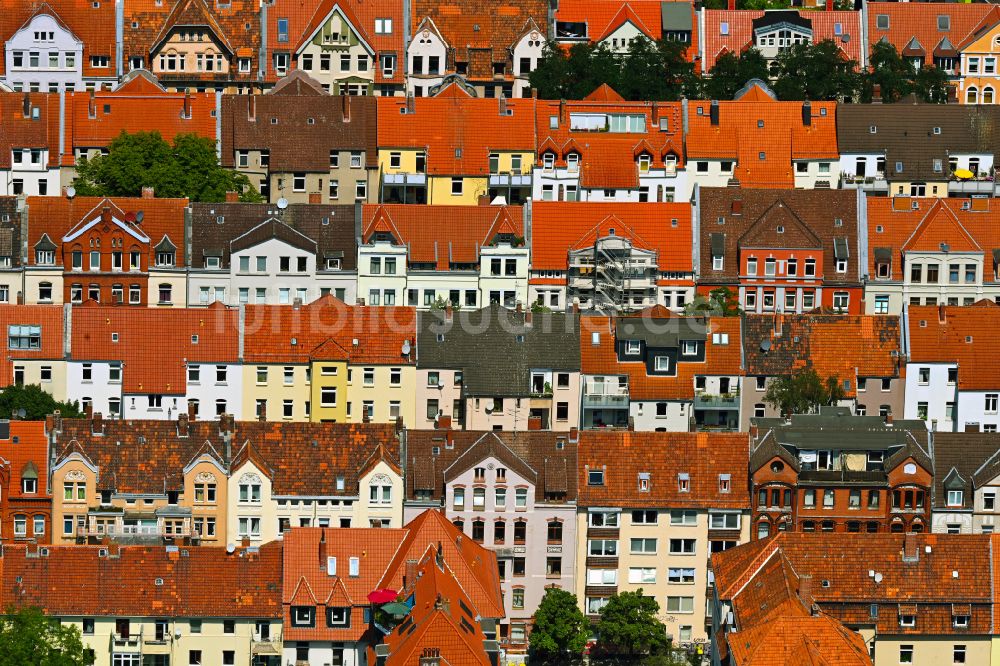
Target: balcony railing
(852,182)
(707,401)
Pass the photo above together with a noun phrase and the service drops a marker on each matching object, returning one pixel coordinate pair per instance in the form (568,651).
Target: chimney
(187,105)
(192,412)
(92,106)
(805,590)
(902,203)
(877,93)
(410,577)
(183,425)
(316,197)
(262,411)
(731,6)
(911,549)
(829,5)
(439,556)
(345,108)
(779,320)
(503,104)
(449,312)
(322,551)
(252,108)
(527,318)
(534,423)
(952,94)
(754,431)
(807,114)
(106,215)
(148,193)
(430,656)
(226,424)
(574,435)
(88,411)
(942,314)
(518,307)
(736,207)
(443,422)
(245,543)
(97,424)
(232,197)
(971,426)
(888,418)
(411,104)
(713,110)
(562,111)
(296,303)
(27,105)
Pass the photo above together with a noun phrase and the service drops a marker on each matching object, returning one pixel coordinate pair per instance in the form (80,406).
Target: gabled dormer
(954,486)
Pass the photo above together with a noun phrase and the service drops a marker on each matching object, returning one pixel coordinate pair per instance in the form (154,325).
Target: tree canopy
(803,392)
(897,78)
(29,638)
(720,302)
(188,168)
(731,72)
(817,72)
(560,630)
(628,627)
(36,403)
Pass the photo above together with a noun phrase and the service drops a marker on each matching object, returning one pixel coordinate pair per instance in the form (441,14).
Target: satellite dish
(282,203)
(406,348)
(489,410)
(70,192)
(139,215)
(230,548)
(878,578)
(21,413)
(765,345)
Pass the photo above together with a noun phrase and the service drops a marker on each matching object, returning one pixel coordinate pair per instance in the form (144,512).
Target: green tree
(931,85)
(628,627)
(816,72)
(36,403)
(188,168)
(28,638)
(803,392)
(731,72)
(897,78)
(560,630)
(720,302)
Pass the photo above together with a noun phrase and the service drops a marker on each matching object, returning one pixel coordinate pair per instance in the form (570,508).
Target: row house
(328,361)
(837,472)
(36,348)
(491,47)
(966,482)
(300,145)
(879,151)
(603,148)
(770,32)
(462,256)
(156,604)
(893,598)
(334,580)
(455,149)
(123,251)
(756,141)
(658,372)
(611,257)
(11,262)
(350,48)
(789,251)
(26,499)
(651,522)
(29,163)
(930,252)
(194,45)
(615,24)
(58,46)
(514,493)
(863,354)
(212,483)
(948,383)
(263,254)
(498,369)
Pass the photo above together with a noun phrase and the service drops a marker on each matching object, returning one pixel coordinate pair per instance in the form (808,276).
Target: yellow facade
(328,391)
(930,189)
(981,86)
(390,390)
(441,189)
(272,385)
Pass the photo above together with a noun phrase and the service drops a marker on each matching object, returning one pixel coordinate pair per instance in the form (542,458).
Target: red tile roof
(92,23)
(327,329)
(155,364)
(49,317)
(793,640)
(22,131)
(895,225)
(908,21)
(442,235)
(558,227)
(602,358)
(144,581)
(457,134)
(703,457)
(739,37)
(603,17)
(749,129)
(963,335)
(29,453)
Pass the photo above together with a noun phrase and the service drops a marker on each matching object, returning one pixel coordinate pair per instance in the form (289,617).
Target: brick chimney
(731,6)
(443,422)
(534,423)
(574,435)
(971,426)
(252,108)
(911,549)
(345,105)
(877,94)
(805,590)
(316,197)
(187,105)
(148,193)
(192,413)
(829,5)
(410,577)
(232,197)
(226,423)
(97,424)
(106,215)
(942,314)
(88,411)
(183,426)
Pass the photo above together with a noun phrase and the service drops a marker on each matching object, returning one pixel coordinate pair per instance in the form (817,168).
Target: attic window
(968,338)
(458,152)
(274,120)
(673,222)
(937,130)
(683,482)
(943,22)
(899,167)
(643,482)
(822,111)
(838,222)
(310,121)
(194,339)
(114,337)
(825,583)
(780,229)
(135,25)
(879,229)
(762,156)
(873,129)
(723,30)
(158,582)
(440,337)
(760,123)
(595,477)
(519,338)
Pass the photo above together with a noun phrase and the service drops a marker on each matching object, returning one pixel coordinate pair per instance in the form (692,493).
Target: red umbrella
(382,596)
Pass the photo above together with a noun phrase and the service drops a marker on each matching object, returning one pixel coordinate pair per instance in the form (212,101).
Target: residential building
(656,371)
(965,482)
(650,521)
(978,62)
(26,503)
(468,256)
(498,369)
(616,23)
(35,352)
(261,254)
(920,153)
(455,149)
(603,148)
(781,250)
(759,142)
(332,577)
(948,384)
(838,472)
(770,32)
(913,598)
(611,257)
(29,163)
(299,144)
(194,45)
(328,361)
(351,48)
(156,604)
(491,47)
(862,353)
(58,46)
(76,251)
(930,251)
(11,263)
(512,492)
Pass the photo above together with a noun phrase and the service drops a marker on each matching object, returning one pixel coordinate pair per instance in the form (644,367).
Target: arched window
(972,95)
(763,529)
(380,490)
(988,95)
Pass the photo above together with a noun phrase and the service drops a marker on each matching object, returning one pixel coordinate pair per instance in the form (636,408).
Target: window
(456,187)
(642,546)
(680,604)
(641,575)
(602,518)
(595,477)
(303,616)
(644,517)
(906,654)
(958,654)
(683,517)
(682,546)
(602,548)
(24,337)
(724,521)
(955,498)
(990,401)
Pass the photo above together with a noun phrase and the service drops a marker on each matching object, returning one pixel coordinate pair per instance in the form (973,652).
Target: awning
(883,254)
(718,245)
(840,248)
(383,596)
(265,649)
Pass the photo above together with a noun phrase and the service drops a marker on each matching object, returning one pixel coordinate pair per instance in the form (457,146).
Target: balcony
(511,179)
(724,401)
(981,184)
(876,183)
(405,179)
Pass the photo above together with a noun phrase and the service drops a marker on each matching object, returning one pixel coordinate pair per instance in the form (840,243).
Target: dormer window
(643,482)
(303,616)
(725,483)
(683,482)
(631,347)
(338,617)
(595,477)
(549,161)
(644,163)
(955,497)
(907,620)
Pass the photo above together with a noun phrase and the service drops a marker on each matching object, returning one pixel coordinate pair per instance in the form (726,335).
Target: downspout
(119,37)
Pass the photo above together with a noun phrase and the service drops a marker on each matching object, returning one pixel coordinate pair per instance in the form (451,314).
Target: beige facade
(277,387)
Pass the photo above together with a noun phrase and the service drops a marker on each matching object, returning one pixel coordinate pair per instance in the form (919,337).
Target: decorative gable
(779,227)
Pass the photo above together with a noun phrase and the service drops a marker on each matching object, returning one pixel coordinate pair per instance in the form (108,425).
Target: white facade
(661,415)
(809,172)
(656,184)
(217,388)
(710,172)
(43,56)
(427,56)
(30,174)
(527,50)
(931,394)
